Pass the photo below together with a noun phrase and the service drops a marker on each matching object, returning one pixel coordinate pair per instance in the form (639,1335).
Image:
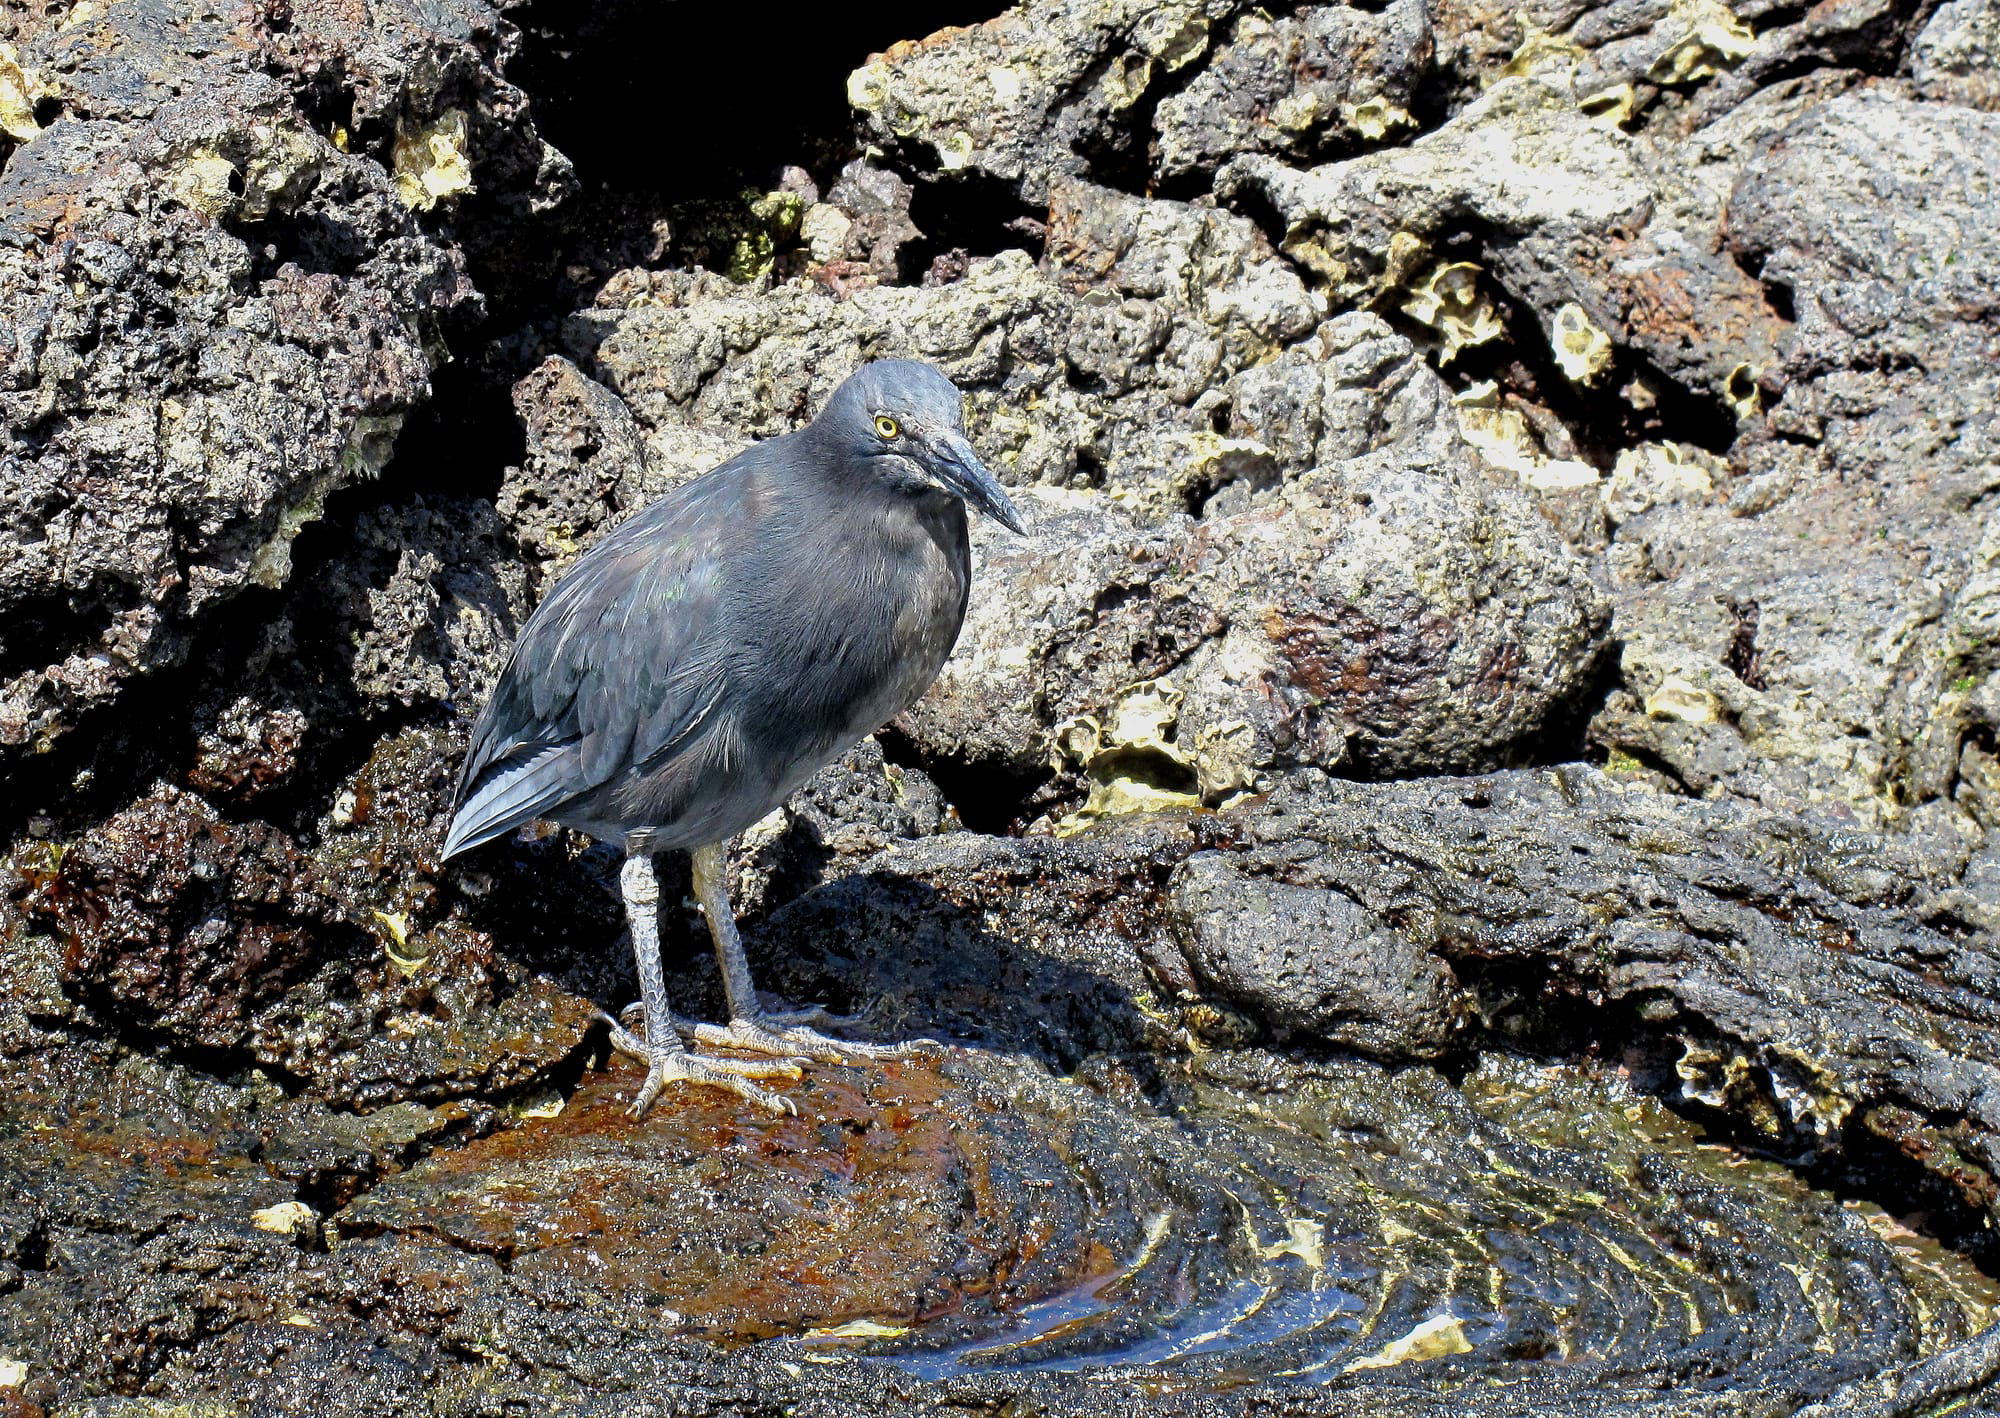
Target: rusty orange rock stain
(894,1195)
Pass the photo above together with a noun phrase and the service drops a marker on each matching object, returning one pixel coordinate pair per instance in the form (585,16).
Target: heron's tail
(509,793)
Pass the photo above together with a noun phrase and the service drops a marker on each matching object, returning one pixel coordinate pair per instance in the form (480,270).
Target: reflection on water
(1540,1226)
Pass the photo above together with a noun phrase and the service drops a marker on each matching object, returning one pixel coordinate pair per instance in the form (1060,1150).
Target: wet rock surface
(1452,873)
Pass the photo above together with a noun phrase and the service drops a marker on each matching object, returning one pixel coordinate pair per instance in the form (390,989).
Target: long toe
(773,1035)
(777,1015)
(678,1066)
(628,1033)
(626,1041)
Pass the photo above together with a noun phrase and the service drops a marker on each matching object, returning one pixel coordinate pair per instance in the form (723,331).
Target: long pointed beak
(957,467)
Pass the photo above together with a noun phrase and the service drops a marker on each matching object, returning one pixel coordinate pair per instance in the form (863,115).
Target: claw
(676,1065)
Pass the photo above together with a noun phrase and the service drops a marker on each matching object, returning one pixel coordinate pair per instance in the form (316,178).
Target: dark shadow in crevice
(693,100)
(44,629)
(104,760)
(1596,420)
(1564,736)
(1778,295)
(1880,48)
(973,214)
(988,797)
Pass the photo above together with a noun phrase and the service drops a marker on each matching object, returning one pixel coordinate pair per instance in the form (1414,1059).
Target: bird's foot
(787,1034)
(674,1064)
(793,1035)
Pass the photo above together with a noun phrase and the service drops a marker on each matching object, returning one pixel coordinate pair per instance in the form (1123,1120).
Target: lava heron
(717,650)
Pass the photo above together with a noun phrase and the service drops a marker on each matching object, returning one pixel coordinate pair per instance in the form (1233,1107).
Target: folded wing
(622,664)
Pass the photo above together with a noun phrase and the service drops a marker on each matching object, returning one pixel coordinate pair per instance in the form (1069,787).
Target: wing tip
(513,794)
(462,836)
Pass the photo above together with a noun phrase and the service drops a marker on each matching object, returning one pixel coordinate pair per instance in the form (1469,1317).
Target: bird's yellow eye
(886,426)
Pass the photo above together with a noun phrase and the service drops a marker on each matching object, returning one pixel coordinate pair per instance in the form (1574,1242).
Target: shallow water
(1542,1225)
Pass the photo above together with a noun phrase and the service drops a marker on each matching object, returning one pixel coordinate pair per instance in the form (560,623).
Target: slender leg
(751,1026)
(667,1060)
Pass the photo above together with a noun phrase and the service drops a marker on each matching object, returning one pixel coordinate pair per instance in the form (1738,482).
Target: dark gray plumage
(718,649)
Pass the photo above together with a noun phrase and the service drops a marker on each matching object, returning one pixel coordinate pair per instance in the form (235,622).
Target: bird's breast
(934,580)
(852,632)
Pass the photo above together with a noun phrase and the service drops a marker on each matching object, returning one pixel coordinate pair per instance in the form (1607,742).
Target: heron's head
(912,416)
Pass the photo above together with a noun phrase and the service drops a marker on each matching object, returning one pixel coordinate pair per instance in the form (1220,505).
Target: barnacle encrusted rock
(1350,589)
(1092,371)
(1819,615)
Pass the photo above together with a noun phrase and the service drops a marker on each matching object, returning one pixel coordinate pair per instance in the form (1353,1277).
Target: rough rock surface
(1082,87)
(1836,642)
(220,308)
(1311,962)
(1952,58)
(1454,872)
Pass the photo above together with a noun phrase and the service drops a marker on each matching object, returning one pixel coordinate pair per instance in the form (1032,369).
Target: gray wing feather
(514,792)
(621,663)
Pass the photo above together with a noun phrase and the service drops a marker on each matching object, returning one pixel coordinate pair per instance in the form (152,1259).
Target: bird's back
(715,650)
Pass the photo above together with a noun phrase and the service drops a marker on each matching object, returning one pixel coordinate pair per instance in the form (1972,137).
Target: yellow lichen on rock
(1541,54)
(1450,300)
(1125,80)
(1304,1238)
(1683,702)
(1742,391)
(1656,473)
(1612,107)
(1172,34)
(1129,755)
(1296,113)
(406,961)
(1375,119)
(1502,437)
(1583,352)
(1222,760)
(1405,257)
(276,171)
(1553,60)
(956,149)
(269,173)
(20,90)
(1712,39)
(1435,1338)
(430,163)
(858,1329)
(868,86)
(285,1219)
(202,183)
(1314,256)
